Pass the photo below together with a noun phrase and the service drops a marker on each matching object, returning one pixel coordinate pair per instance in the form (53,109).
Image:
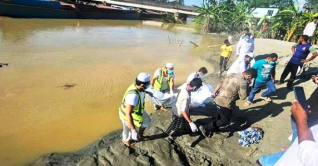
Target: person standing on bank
(265,77)
(226,52)
(244,46)
(246,30)
(310,29)
(132,113)
(163,80)
(233,86)
(199,74)
(296,62)
(181,121)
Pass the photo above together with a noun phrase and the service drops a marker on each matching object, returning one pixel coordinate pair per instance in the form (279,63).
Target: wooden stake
(251,153)
(181,43)
(194,44)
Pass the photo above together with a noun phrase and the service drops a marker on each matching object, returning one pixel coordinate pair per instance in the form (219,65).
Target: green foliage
(169,18)
(225,16)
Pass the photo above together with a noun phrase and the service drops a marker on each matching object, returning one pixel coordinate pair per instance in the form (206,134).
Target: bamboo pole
(181,43)
(194,44)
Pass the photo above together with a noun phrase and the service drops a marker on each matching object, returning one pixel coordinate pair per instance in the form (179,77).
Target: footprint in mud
(68,86)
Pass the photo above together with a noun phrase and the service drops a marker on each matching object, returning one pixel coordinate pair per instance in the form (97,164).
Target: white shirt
(238,66)
(310,29)
(191,77)
(243,37)
(164,84)
(182,103)
(230,39)
(303,154)
(244,47)
(132,99)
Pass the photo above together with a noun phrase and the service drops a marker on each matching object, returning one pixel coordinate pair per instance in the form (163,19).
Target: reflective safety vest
(158,81)
(138,109)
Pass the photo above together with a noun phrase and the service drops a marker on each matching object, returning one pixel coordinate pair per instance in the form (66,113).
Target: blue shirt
(301,52)
(264,70)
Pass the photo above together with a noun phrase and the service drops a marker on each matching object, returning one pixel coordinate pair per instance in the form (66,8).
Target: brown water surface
(66,78)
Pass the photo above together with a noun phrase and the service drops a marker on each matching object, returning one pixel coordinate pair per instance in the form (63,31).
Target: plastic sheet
(252,135)
(159,98)
(202,96)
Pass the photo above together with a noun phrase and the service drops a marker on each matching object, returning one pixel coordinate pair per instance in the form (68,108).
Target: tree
(223,16)
(311,6)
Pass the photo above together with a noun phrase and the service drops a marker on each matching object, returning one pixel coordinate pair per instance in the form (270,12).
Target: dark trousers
(292,69)
(223,62)
(178,126)
(223,119)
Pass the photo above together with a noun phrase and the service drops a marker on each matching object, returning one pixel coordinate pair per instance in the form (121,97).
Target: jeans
(271,160)
(258,86)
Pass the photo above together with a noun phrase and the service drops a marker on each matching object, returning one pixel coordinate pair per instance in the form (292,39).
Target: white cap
(169,65)
(251,55)
(143,77)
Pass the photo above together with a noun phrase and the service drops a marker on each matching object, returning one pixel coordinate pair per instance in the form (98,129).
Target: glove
(193,127)
(134,135)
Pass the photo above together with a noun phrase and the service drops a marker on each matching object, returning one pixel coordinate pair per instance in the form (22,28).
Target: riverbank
(221,149)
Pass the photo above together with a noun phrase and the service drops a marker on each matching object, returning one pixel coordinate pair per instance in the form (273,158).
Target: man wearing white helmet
(132,113)
(163,79)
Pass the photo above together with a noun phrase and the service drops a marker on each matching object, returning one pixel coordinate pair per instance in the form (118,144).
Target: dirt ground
(273,117)
(222,148)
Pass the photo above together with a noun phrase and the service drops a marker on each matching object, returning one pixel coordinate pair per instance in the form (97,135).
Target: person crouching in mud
(181,121)
(233,86)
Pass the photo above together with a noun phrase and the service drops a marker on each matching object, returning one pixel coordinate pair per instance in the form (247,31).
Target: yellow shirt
(226,50)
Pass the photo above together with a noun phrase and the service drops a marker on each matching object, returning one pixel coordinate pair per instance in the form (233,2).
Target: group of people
(132,112)
(245,78)
(304,126)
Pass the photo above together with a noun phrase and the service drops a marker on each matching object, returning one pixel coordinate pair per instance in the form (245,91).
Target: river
(65,79)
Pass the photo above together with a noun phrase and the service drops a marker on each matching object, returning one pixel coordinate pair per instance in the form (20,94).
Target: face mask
(169,71)
(271,63)
(247,39)
(201,75)
(194,90)
(146,86)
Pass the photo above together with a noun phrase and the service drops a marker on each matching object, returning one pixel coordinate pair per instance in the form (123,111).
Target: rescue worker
(199,74)
(163,80)
(132,113)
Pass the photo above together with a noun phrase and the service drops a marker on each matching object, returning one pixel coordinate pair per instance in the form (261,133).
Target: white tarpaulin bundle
(202,96)
(159,98)
(198,98)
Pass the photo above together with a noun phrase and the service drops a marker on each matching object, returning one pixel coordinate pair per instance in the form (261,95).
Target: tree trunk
(206,24)
(291,32)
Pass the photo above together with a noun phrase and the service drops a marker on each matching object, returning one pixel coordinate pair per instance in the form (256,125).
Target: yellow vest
(158,81)
(138,109)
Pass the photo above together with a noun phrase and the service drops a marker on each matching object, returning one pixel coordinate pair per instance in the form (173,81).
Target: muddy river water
(65,79)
